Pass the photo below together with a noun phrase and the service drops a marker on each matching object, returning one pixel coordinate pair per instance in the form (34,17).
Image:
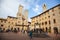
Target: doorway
(55,30)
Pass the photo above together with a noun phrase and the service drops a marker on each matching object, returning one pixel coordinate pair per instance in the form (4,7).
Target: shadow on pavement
(41,35)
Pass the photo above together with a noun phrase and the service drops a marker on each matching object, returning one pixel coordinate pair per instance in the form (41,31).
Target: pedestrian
(30,34)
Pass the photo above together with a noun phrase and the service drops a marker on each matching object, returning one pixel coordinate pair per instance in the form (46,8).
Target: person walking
(30,34)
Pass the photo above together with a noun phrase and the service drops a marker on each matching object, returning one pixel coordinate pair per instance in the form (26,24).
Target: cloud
(10,7)
(38,12)
(29,19)
(28,3)
(36,9)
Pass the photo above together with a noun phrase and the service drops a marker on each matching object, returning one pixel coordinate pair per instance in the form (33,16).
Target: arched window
(55,30)
(54,20)
(46,22)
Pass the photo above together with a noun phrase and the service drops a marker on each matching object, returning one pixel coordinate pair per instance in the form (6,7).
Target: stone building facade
(48,19)
(20,21)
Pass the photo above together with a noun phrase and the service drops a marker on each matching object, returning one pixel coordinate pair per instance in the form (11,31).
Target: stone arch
(55,30)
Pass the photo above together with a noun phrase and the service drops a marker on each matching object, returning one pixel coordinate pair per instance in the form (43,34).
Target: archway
(46,29)
(55,30)
(12,29)
(18,28)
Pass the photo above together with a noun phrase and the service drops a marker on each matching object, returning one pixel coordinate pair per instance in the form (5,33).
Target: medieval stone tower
(22,16)
(19,14)
(44,7)
(26,16)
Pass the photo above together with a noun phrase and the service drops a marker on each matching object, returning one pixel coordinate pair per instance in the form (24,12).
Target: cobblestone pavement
(54,36)
(22,36)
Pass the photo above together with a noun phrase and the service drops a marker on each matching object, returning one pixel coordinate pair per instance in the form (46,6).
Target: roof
(3,19)
(45,11)
(12,17)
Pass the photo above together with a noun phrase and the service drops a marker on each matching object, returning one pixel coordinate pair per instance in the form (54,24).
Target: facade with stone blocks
(49,19)
(20,21)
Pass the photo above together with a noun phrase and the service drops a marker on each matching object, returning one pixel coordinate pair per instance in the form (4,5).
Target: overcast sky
(10,7)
